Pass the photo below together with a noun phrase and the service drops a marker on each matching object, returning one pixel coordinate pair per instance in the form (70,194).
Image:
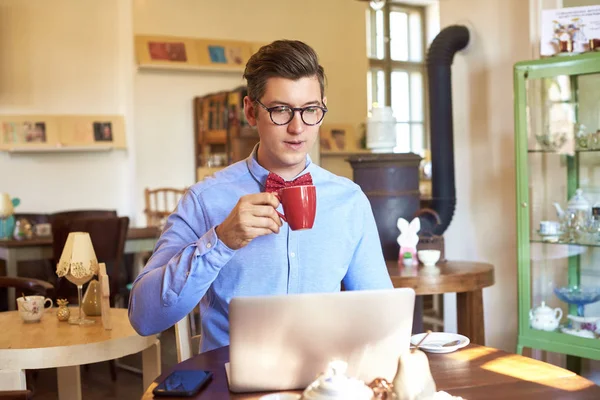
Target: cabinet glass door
(563,163)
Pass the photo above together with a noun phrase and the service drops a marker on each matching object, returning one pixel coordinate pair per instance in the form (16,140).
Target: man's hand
(254,215)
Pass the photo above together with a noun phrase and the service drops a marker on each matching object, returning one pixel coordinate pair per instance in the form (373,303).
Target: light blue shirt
(190,263)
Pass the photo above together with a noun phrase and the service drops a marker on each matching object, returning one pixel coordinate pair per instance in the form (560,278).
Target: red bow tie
(274,182)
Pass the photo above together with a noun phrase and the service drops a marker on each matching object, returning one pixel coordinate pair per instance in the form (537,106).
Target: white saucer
(576,332)
(281,396)
(435,340)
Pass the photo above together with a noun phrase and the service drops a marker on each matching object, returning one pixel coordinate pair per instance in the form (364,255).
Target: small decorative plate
(434,343)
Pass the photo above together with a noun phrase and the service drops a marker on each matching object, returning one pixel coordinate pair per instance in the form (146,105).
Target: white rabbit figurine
(408,240)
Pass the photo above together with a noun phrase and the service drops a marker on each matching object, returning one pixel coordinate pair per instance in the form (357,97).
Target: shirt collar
(259,173)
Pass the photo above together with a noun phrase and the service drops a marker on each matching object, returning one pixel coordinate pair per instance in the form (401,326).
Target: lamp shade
(78,258)
(6,205)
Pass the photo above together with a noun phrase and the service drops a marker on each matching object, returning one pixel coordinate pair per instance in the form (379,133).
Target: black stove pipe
(439,59)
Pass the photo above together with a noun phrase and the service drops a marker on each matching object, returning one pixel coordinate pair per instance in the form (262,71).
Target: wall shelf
(58,149)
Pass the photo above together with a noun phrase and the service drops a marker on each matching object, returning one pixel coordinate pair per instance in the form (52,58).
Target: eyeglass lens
(283,115)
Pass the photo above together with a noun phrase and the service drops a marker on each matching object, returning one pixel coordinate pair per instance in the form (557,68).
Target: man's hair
(290,59)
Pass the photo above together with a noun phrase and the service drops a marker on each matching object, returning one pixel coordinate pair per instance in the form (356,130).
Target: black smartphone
(183,383)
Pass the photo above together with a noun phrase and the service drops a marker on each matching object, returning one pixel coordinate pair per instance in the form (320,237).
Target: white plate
(435,340)
(281,396)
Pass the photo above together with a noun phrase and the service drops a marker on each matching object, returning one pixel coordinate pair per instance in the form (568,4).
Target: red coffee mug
(299,206)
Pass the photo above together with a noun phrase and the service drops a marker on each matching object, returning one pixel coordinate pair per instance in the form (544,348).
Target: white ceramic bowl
(428,257)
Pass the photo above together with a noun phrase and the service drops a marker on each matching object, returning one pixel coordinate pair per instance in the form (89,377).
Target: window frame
(387,65)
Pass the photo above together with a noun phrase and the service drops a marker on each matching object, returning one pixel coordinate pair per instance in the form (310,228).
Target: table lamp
(78,264)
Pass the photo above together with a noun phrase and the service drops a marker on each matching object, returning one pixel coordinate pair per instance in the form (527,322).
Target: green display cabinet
(557,143)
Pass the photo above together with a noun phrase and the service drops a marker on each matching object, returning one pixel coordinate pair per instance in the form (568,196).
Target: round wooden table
(464,278)
(54,344)
(475,372)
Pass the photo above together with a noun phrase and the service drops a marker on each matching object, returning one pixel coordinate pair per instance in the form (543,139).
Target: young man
(225,239)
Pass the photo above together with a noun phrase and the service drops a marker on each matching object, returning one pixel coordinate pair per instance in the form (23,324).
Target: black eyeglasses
(283,115)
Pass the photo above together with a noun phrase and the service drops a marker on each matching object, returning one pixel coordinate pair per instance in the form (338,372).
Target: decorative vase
(91,299)
(63,313)
(7,226)
(7,220)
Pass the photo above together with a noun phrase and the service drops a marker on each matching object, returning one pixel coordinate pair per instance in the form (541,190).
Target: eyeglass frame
(294,110)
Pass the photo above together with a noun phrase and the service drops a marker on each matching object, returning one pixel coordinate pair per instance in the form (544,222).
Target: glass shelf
(587,243)
(563,154)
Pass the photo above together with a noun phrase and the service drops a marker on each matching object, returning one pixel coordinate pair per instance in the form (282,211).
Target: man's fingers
(266,212)
(262,199)
(256,231)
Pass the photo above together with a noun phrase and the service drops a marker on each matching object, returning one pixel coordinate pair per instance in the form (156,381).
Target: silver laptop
(284,342)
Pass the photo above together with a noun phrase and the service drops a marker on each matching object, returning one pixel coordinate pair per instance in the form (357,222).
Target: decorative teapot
(544,318)
(334,384)
(7,220)
(577,204)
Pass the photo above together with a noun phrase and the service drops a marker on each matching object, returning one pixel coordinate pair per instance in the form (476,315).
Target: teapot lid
(543,309)
(578,201)
(334,384)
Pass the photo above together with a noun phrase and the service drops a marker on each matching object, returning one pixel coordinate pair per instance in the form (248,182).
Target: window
(397,72)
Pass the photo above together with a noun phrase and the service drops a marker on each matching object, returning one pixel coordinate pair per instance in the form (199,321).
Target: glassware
(79,281)
(78,264)
(582,139)
(578,295)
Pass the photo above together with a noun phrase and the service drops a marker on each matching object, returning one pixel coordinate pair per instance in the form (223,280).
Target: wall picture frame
(24,131)
(93,130)
(336,138)
(193,53)
(165,51)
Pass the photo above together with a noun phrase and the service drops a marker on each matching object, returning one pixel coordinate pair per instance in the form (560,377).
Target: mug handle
(278,213)
(48,300)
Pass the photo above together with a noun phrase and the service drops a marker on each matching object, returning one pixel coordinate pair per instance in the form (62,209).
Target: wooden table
(467,279)
(54,344)
(475,372)
(139,240)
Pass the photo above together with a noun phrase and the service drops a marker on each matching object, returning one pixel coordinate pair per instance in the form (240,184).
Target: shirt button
(209,245)
(292,254)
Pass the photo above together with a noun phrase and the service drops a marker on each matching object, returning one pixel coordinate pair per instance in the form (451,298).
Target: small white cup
(549,227)
(428,257)
(31,308)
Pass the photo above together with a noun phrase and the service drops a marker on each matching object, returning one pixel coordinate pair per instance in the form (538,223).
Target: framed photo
(165,51)
(223,54)
(193,53)
(81,130)
(28,131)
(337,138)
(569,30)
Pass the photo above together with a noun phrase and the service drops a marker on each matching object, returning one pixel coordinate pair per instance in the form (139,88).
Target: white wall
(66,57)
(163,100)
(484,225)
(74,57)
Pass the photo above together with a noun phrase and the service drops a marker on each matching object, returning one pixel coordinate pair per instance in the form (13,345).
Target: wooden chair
(108,236)
(160,203)
(187,336)
(16,395)
(28,286)
(72,214)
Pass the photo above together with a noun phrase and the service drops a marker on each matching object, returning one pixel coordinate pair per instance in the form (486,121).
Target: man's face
(283,148)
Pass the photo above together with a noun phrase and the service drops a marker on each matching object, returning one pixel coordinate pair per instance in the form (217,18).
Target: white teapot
(544,318)
(334,384)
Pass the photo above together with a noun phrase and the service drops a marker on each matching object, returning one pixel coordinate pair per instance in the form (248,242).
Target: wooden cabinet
(222,134)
